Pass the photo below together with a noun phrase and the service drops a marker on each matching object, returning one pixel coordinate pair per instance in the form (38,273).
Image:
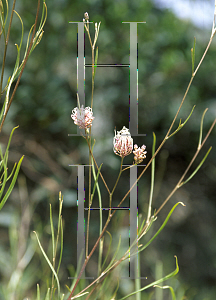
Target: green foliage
(5,176)
(9,81)
(18,68)
(43,103)
(157,281)
(55,247)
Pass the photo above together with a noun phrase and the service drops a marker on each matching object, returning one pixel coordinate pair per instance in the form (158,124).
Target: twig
(24,64)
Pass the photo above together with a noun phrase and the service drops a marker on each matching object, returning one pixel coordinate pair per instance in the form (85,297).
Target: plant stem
(97,167)
(23,67)
(187,169)
(87,234)
(119,175)
(159,148)
(89,256)
(6,44)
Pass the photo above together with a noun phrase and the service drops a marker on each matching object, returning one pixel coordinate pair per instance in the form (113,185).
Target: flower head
(86,17)
(122,142)
(82,117)
(139,154)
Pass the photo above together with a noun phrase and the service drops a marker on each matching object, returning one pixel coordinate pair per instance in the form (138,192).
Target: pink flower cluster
(82,117)
(122,142)
(139,154)
(123,146)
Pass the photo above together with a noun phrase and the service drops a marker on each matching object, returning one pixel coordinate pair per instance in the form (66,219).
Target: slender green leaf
(141,227)
(156,282)
(162,226)
(48,294)
(9,141)
(181,124)
(152,178)
(96,60)
(36,41)
(4,21)
(11,174)
(199,166)
(40,31)
(116,290)
(12,183)
(52,232)
(38,292)
(60,230)
(4,165)
(16,67)
(96,180)
(2,110)
(168,287)
(67,287)
(153,219)
(115,254)
(21,40)
(108,251)
(75,297)
(201,128)
(49,263)
(61,248)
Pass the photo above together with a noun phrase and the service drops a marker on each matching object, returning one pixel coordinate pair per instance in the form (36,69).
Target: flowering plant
(123,146)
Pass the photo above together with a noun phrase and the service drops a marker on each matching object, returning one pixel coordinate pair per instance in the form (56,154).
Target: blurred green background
(42,109)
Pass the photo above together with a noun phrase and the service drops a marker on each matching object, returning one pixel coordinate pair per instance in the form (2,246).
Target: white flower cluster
(123,146)
(82,117)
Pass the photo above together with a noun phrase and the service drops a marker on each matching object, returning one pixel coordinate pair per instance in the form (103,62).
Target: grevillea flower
(82,117)
(122,142)
(139,154)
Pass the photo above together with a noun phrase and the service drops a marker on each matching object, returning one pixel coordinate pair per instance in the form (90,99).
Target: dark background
(42,109)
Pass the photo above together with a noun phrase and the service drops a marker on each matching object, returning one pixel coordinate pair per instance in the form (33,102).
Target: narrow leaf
(38,292)
(61,248)
(75,297)
(115,254)
(181,125)
(96,60)
(168,287)
(162,226)
(12,183)
(201,128)
(96,180)
(201,163)
(52,231)
(11,174)
(48,294)
(141,227)
(152,178)
(49,263)
(108,251)
(156,282)
(9,141)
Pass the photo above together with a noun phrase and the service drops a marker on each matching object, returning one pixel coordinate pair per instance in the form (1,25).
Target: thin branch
(187,169)
(6,44)
(24,64)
